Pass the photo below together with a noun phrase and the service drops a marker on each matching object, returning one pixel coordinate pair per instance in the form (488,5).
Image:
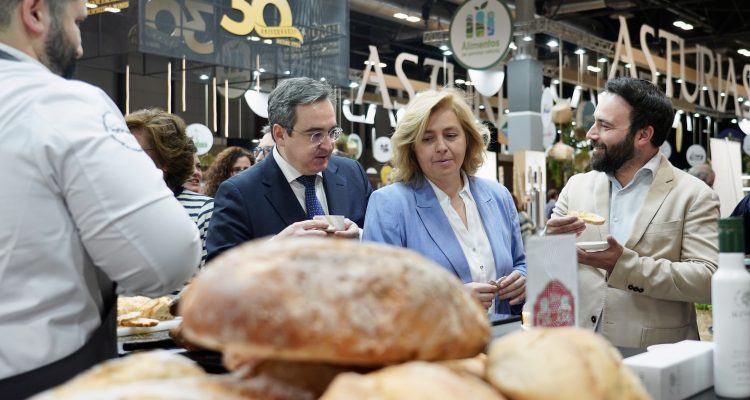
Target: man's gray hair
(8,10)
(290,93)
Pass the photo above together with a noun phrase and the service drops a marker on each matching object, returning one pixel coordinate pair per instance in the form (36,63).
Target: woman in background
(162,136)
(438,208)
(230,162)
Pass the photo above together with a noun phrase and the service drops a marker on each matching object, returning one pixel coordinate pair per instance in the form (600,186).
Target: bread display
(334,301)
(587,217)
(560,363)
(139,311)
(414,380)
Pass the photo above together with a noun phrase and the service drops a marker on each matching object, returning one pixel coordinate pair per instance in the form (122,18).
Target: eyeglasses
(317,137)
(262,149)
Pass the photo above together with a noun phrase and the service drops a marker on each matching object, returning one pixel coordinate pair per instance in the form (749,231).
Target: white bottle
(730,297)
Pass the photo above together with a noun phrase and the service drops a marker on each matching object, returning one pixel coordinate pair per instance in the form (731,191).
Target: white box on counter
(675,371)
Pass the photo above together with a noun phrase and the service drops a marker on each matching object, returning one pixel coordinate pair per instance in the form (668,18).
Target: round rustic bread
(337,301)
(414,380)
(560,363)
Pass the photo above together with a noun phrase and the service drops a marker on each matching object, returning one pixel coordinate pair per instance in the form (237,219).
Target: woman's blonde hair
(411,129)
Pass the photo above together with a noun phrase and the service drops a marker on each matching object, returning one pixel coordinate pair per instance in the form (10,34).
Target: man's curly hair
(221,168)
(170,148)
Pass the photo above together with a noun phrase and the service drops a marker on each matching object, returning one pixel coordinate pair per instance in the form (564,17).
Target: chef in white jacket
(82,207)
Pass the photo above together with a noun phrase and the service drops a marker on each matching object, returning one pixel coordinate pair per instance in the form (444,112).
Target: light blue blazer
(411,217)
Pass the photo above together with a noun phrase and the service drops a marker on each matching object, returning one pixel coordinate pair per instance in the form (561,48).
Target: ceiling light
(553,43)
(680,112)
(481,106)
(658,73)
(382,65)
(400,15)
(679,80)
(512,46)
(323,79)
(460,81)
(734,120)
(469,83)
(722,94)
(705,88)
(746,103)
(447,53)
(261,70)
(580,51)
(506,111)
(268,41)
(91,5)
(744,52)
(287,72)
(602,59)
(628,65)
(555,81)
(253,38)
(683,25)
(413,19)
(696,115)
(527,38)
(353,85)
(204,77)
(593,68)
(112,10)
(444,47)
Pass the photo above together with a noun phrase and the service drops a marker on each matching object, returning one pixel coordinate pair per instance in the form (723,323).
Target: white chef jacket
(81,205)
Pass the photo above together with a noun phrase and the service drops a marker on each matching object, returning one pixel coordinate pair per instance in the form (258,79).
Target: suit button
(630,287)
(593,318)
(640,290)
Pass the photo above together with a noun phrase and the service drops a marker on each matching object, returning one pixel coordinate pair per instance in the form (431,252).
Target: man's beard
(614,156)
(61,56)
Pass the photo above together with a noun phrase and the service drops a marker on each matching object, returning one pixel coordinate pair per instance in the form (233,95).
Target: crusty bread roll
(162,375)
(157,308)
(335,301)
(475,365)
(306,377)
(561,364)
(588,217)
(134,368)
(414,380)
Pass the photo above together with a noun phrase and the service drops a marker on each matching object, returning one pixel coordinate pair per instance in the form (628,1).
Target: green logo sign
(480,33)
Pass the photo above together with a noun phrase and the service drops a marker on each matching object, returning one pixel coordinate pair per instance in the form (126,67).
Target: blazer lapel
(279,193)
(489,211)
(335,187)
(439,229)
(660,188)
(601,202)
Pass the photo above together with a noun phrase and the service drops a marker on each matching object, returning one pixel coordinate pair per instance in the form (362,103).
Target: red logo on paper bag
(554,306)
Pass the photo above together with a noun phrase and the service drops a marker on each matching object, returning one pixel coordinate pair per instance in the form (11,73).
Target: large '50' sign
(190,16)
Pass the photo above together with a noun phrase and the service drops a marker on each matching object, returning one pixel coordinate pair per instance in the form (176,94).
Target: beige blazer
(666,265)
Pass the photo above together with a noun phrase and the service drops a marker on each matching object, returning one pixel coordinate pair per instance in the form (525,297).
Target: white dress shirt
(291,175)
(81,205)
(625,202)
(472,236)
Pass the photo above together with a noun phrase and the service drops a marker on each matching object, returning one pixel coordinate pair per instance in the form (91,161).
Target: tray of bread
(141,315)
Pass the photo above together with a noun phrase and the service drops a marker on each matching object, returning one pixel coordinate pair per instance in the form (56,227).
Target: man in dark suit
(298,180)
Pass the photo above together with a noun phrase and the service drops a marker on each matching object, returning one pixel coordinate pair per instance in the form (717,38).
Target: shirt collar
(290,173)
(442,197)
(647,170)
(19,55)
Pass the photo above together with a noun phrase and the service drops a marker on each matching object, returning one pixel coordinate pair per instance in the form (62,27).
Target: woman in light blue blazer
(438,208)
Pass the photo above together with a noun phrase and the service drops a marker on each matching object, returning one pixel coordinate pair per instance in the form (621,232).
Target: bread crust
(336,301)
(562,364)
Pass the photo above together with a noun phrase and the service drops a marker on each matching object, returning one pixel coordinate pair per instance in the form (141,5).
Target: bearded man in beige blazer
(661,227)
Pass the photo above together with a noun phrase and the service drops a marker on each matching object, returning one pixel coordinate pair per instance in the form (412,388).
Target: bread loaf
(562,364)
(588,217)
(335,301)
(414,380)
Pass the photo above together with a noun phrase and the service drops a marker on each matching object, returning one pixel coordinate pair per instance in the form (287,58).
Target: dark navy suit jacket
(259,202)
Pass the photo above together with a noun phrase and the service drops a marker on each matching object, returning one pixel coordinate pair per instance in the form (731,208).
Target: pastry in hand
(588,217)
